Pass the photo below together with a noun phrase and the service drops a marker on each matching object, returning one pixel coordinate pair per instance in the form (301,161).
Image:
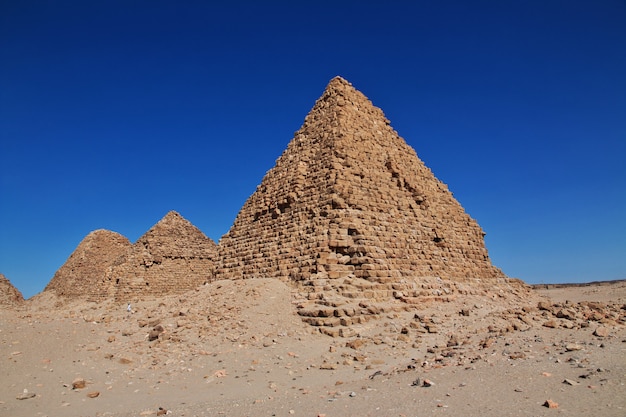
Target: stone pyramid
(9,295)
(349,211)
(172,257)
(349,198)
(82,275)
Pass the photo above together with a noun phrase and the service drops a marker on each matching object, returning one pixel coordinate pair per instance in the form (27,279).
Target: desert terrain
(239,348)
(346,286)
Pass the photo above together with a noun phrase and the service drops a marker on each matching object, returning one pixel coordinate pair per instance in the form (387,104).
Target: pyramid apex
(103,234)
(171,219)
(339,80)
(172,214)
(171,225)
(338,83)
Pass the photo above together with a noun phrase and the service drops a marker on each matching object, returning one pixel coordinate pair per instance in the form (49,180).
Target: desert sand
(238,348)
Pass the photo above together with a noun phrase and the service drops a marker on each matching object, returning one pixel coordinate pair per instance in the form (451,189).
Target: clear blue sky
(112,113)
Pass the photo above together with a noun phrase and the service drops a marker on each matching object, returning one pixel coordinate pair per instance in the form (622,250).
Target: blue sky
(113,113)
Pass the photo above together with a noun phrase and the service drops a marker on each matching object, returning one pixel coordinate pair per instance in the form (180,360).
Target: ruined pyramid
(350,201)
(172,257)
(81,276)
(9,295)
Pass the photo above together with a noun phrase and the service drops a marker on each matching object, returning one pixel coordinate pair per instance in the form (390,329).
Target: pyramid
(172,257)
(82,275)
(9,295)
(351,210)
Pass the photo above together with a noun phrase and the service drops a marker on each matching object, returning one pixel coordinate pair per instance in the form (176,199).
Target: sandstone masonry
(356,222)
(349,198)
(82,274)
(9,295)
(349,216)
(172,257)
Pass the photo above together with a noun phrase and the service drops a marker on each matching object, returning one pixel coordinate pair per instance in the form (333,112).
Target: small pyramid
(348,202)
(172,257)
(9,295)
(81,276)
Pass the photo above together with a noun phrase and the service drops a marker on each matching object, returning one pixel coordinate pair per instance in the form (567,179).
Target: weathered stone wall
(81,276)
(171,258)
(9,295)
(350,199)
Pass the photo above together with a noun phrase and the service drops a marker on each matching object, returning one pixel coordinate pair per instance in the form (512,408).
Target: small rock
(93,394)
(566,313)
(111,338)
(544,305)
(487,342)
(551,404)
(353,394)
(551,324)
(572,347)
(161,412)
(26,395)
(432,328)
(427,383)
(570,382)
(601,332)
(453,341)
(155,332)
(79,383)
(355,344)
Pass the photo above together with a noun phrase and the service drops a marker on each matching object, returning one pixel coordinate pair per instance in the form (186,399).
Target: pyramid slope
(170,258)
(9,295)
(82,275)
(349,198)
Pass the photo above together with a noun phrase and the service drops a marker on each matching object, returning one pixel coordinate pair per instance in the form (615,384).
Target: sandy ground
(237,348)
